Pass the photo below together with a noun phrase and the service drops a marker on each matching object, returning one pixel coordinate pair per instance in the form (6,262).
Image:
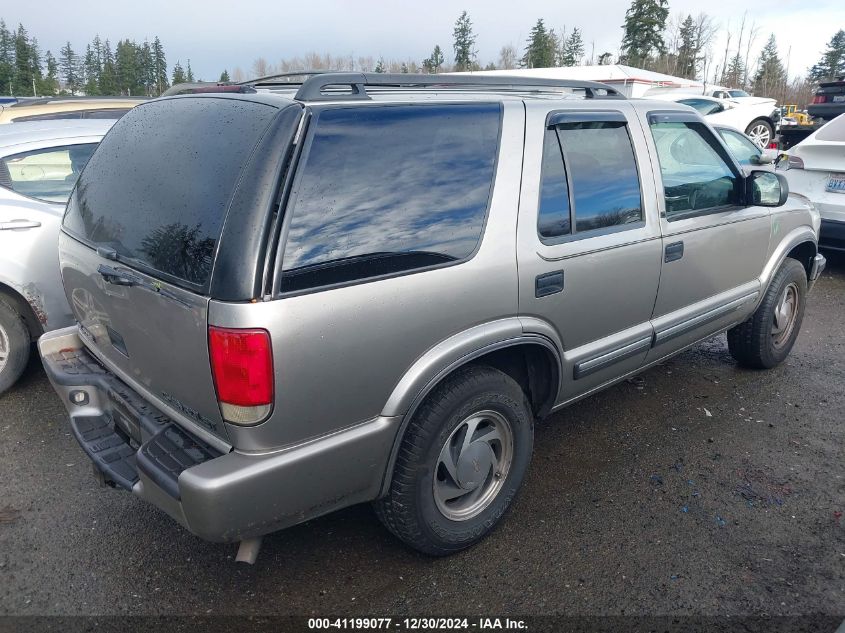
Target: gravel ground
(695,488)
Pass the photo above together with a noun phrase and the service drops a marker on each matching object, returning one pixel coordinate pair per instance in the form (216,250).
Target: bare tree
(260,68)
(507,57)
(238,75)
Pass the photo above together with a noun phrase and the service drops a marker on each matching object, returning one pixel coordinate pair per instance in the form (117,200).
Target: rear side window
(47,174)
(389,189)
(603,186)
(158,187)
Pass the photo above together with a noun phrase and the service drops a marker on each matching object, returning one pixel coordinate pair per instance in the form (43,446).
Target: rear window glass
(157,189)
(388,189)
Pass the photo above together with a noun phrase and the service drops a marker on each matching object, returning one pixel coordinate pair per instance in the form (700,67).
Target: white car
(39,165)
(815,168)
(756,119)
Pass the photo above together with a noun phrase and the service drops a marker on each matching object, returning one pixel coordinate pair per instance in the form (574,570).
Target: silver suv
(369,288)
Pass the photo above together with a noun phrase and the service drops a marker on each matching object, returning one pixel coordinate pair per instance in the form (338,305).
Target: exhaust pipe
(248,550)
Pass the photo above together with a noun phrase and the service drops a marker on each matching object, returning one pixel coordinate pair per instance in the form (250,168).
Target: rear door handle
(548,284)
(12,225)
(674,252)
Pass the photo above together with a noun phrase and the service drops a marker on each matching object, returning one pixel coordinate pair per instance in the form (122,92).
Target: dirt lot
(696,488)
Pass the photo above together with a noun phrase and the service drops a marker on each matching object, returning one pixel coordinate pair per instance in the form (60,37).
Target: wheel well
(804,253)
(16,300)
(533,366)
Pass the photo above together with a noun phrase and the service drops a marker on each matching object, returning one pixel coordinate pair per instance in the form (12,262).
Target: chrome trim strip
(678,329)
(592,365)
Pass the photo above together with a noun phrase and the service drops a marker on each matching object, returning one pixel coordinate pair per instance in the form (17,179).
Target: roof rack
(198,87)
(328,86)
(284,79)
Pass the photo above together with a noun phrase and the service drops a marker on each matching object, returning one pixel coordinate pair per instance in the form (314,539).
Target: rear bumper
(832,235)
(219,497)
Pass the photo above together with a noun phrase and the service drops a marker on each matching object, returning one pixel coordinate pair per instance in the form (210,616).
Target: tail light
(819,99)
(242,367)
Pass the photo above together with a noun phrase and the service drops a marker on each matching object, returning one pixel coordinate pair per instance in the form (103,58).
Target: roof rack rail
(285,77)
(323,86)
(198,87)
(28,101)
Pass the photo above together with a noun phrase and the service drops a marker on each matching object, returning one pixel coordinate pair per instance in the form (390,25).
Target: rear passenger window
(603,189)
(389,189)
(47,174)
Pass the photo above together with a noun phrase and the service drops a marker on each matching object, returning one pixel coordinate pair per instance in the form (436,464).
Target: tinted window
(50,116)
(48,174)
(111,113)
(553,218)
(157,188)
(386,189)
(743,148)
(603,172)
(696,174)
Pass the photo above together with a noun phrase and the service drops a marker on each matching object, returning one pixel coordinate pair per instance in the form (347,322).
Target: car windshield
(738,93)
(743,148)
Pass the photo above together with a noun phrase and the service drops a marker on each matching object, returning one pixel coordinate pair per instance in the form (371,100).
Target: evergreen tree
(189,74)
(734,72)
(69,65)
(159,66)
(178,74)
(24,77)
(91,70)
(107,84)
(125,67)
(380,66)
(771,76)
(645,22)
(539,50)
(832,63)
(224,76)
(50,82)
(573,49)
(464,44)
(432,64)
(7,59)
(689,49)
(605,59)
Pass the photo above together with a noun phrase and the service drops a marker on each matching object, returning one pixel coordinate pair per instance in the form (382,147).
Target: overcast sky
(217,35)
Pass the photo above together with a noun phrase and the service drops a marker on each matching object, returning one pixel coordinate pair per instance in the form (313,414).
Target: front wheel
(767,337)
(461,462)
(760,131)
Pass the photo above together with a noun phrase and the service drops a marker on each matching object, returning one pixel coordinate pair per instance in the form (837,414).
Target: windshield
(738,93)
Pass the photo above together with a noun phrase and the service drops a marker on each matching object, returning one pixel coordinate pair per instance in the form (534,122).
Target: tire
(761,132)
(761,342)
(14,346)
(414,508)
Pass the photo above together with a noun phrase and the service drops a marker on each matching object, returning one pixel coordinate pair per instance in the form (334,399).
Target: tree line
(126,68)
(681,46)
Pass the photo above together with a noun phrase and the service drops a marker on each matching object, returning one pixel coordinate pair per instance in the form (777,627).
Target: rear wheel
(14,346)
(766,339)
(760,131)
(461,462)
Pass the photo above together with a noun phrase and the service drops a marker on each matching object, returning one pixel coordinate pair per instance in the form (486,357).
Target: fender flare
(797,236)
(443,359)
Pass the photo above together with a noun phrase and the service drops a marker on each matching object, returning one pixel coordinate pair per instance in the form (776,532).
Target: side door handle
(673,252)
(12,225)
(548,284)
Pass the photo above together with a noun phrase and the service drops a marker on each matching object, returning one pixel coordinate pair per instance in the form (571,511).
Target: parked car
(290,302)
(757,120)
(815,168)
(49,108)
(39,165)
(829,100)
(746,152)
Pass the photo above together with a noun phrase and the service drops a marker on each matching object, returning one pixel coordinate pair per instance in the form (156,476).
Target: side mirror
(766,189)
